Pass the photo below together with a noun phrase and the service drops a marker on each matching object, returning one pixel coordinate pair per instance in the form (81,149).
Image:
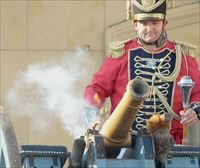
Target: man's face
(149,30)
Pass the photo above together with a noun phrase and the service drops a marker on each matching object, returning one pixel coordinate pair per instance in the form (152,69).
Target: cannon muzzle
(116,130)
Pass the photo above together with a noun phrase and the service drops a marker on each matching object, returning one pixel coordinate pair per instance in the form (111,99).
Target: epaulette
(187,49)
(116,48)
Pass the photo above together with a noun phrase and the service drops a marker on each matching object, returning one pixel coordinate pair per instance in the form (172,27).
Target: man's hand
(91,116)
(189,117)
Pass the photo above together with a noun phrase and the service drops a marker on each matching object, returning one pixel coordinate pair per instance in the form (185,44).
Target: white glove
(91,116)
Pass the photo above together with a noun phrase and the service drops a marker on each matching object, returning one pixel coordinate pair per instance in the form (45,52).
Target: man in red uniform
(154,59)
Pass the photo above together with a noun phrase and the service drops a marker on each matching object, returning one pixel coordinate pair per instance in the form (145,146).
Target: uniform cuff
(196,107)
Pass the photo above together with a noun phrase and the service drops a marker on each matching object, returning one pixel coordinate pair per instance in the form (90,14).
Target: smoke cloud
(54,88)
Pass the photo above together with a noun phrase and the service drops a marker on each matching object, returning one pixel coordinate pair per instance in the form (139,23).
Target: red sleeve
(194,72)
(102,82)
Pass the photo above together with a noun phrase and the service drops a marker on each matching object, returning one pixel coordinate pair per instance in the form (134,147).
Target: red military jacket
(135,61)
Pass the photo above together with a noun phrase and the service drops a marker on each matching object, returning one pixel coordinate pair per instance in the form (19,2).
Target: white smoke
(55,88)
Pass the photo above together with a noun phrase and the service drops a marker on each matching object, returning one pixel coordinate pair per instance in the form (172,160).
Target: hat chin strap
(159,42)
(162,39)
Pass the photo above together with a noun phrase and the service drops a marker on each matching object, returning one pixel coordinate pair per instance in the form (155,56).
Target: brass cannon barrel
(116,130)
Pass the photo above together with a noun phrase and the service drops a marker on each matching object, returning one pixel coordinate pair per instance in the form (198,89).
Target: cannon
(101,148)
(113,146)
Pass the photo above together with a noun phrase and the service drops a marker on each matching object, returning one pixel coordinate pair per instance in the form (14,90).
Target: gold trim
(170,78)
(117,48)
(129,7)
(148,8)
(142,16)
(147,3)
(187,49)
(160,50)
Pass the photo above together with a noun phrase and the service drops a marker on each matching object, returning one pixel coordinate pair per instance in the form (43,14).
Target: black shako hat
(147,9)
